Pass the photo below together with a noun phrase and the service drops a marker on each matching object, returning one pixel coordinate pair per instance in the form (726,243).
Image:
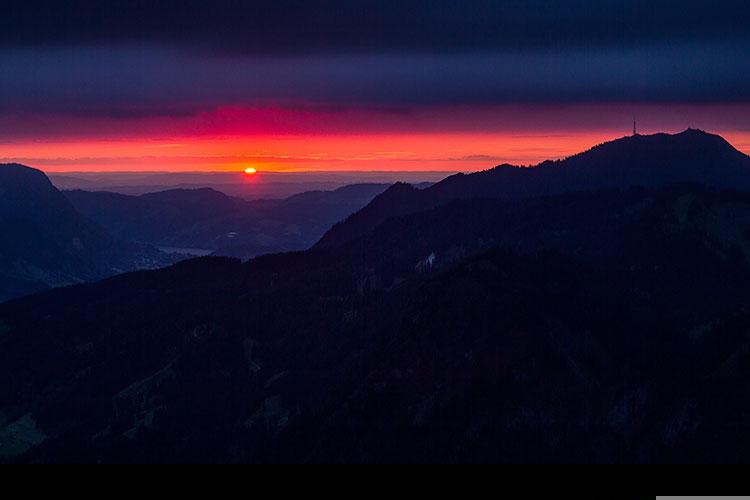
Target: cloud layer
(127,81)
(345,26)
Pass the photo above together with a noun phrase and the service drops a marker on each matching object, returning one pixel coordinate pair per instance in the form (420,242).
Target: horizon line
(239,171)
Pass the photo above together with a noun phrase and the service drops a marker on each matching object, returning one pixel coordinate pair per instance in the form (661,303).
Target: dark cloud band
(134,81)
(343,26)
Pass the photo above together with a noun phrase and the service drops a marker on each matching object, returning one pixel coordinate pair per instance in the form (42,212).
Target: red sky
(434,85)
(449,138)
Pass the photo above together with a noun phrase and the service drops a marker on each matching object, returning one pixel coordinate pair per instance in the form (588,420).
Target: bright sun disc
(250,171)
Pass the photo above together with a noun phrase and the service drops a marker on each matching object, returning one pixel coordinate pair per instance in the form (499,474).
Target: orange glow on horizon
(283,140)
(384,152)
(449,152)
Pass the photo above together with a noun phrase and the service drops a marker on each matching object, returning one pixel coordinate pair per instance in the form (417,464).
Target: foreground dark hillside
(607,326)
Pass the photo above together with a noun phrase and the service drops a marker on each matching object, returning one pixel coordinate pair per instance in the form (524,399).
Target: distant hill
(692,156)
(47,243)
(209,220)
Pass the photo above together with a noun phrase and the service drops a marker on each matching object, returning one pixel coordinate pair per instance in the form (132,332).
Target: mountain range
(56,238)
(501,316)
(208,221)
(47,243)
(636,161)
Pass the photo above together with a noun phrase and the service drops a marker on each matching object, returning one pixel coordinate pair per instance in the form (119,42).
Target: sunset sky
(173,86)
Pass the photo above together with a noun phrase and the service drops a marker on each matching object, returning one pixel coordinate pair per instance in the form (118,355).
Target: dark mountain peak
(18,169)
(17,176)
(398,193)
(709,147)
(693,156)
(398,199)
(702,139)
(696,133)
(400,187)
(181,194)
(27,193)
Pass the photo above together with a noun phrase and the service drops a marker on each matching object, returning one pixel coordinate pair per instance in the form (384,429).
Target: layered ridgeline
(603,325)
(205,220)
(47,243)
(639,160)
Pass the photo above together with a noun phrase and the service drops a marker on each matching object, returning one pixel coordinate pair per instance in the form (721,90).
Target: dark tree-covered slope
(604,327)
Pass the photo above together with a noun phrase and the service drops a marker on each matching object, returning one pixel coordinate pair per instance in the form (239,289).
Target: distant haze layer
(250,187)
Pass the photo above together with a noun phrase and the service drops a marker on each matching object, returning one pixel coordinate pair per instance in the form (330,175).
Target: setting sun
(250,171)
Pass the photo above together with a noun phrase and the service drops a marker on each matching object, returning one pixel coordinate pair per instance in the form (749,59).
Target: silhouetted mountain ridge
(205,219)
(659,159)
(27,193)
(692,156)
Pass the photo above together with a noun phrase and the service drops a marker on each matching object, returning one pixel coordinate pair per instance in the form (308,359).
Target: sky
(449,85)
